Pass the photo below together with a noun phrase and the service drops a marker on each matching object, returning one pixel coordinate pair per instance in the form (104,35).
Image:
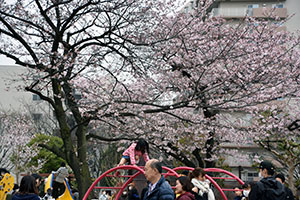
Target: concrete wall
(10,97)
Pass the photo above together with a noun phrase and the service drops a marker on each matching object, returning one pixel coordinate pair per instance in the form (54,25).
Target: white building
(238,9)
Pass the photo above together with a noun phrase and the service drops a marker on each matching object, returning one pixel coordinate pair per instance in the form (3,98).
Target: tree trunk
(291,178)
(75,155)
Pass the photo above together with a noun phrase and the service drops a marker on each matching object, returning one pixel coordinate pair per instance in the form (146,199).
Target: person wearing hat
(267,188)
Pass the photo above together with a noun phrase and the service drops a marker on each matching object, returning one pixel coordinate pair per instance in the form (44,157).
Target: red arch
(211,179)
(170,172)
(125,167)
(93,186)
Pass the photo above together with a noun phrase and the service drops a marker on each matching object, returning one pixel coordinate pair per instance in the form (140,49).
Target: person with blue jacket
(158,188)
(28,189)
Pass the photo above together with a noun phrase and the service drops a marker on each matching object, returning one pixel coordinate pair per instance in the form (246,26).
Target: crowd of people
(31,187)
(191,185)
(194,186)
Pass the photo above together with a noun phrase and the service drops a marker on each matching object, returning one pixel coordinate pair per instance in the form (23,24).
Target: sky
(6,61)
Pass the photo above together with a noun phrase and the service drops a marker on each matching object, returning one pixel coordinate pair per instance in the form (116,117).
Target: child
(134,152)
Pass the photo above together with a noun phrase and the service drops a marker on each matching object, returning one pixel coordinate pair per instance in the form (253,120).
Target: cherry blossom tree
(281,138)
(16,133)
(274,127)
(60,41)
(128,69)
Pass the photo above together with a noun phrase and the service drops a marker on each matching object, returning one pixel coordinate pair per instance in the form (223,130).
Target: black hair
(36,176)
(3,171)
(186,183)
(239,187)
(248,184)
(197,172)
(16,186)
(185,172)
(28,185)
(281,176)
(62,164)
(156,165)
(142,146)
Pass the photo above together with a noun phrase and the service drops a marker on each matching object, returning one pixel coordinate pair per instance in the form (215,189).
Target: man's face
(150,173)
(263,172)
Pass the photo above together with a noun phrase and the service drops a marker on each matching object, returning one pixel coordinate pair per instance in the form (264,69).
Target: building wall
(235,9)
(11,98)
(293,8)
(239,9)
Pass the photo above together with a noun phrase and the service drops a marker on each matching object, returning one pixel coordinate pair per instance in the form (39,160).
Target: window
(250,9)
(36,97)
(37,116)
(251,176)
(186,10)
(278,5)
(192,4)
(77,94)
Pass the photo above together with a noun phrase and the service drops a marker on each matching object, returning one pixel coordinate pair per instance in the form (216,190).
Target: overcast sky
(6,61)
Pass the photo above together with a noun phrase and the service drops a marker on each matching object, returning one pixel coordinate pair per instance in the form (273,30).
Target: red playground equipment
(166,172)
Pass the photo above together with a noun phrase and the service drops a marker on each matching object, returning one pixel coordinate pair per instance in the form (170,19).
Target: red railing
(170,172)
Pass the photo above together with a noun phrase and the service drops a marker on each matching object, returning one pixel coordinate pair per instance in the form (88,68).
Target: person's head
(246,188)
(142,146)
(131,186)
(16,187)
(238,191)
(28,185)
(266,168)
(38,179)
(153,170)
(3,171)
(198,173)
(280,177)
(63,164)
(183,184)
(184,173)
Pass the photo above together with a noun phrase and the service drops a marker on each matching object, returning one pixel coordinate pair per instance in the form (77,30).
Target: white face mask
(246,193)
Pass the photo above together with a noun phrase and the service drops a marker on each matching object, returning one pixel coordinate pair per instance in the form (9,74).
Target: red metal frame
(170,172)
(211,179)
(105,174)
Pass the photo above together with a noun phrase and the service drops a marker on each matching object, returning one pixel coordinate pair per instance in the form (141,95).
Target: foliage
(16,132)
(51,162)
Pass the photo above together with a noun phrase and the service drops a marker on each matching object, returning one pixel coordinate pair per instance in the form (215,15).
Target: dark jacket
(19,196)
(259,190)
(288,193)
(238,197)
(186,196)
(133,194)
(162,191)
